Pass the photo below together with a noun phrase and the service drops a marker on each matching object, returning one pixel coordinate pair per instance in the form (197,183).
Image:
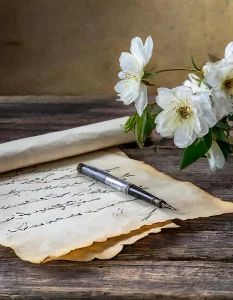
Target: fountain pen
(121,185)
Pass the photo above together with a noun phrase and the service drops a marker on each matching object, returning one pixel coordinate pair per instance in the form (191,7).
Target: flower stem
(176,69)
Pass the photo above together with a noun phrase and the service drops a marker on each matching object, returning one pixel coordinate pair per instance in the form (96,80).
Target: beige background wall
(73,46)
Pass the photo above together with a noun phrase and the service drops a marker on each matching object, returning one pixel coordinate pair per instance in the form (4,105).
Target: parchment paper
(113,246)
(49,210)
(66,143)
(25,152)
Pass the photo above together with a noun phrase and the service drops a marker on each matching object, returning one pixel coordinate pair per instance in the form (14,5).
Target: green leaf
(208,139)
(139,129)
(130,123)
(224,119)
(150,125)
(195,151)
(144,121)
(220,134)
(226,149)
(144,125)
(230,118)
(194,64)
(223,124)
(149,75)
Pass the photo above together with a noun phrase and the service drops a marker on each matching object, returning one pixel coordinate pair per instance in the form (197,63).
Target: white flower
(219,76)
(215,157)
(130,88)
(196,84)
(228,58)
(221,81)
(185,115)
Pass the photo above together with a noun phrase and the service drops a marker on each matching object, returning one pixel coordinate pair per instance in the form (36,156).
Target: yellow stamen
(129,76)
(184,112)
(227,84)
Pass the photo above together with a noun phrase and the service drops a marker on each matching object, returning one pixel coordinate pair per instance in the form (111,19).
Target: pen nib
(165,205)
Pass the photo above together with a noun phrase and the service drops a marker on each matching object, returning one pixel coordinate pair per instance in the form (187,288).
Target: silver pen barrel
(121,185)
(108,179)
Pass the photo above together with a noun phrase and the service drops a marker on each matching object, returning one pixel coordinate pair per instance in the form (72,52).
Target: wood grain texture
(191,262)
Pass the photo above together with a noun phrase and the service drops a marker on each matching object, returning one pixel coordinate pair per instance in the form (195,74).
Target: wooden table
(194,261)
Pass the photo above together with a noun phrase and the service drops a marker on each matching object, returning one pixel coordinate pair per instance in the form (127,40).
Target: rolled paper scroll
(60,144)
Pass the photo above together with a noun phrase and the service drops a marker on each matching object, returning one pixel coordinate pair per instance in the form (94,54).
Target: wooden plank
(117,280)
(192,262)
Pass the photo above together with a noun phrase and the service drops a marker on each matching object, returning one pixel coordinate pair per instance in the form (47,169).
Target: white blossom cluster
(188,111)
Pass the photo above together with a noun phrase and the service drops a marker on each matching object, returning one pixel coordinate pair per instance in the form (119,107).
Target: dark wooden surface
(191,262)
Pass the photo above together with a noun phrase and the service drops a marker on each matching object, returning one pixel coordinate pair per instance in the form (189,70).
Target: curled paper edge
(112,246)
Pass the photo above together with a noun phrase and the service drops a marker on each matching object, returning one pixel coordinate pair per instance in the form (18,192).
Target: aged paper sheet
(113,246)
(60,144)
(46,211)
(25,152)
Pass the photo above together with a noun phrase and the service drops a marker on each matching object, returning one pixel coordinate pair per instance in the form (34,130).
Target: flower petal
(209,117)
(137,50)
(192,138)
(200,127)
(163,91)
(131,92)
(141,101)
(215,78)
(219,157)
(148,49)
(220,161)
(129,64)
(194,83)
(120,86)
(203,99)
(182,92)
(182,136)
(222,103)
(166,121)
(197,109)
(229,50)
(200,103)
(211,160)
(166,98)
(192,135)
(188,83)
(121,74)
(216,158)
